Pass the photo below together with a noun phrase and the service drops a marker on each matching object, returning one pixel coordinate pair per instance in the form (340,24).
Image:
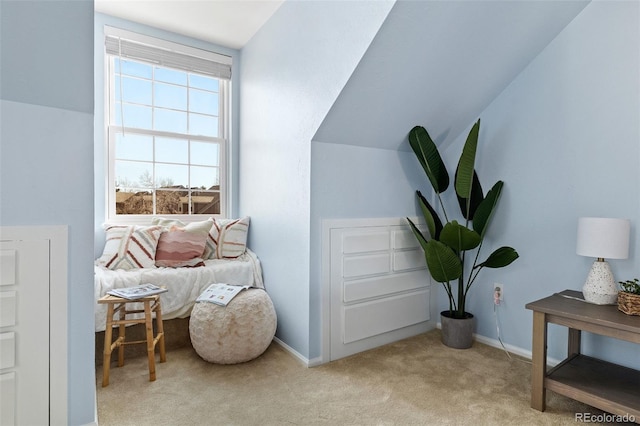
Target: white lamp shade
(603,237)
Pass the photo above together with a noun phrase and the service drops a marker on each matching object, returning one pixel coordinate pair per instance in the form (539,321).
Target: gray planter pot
(457,333)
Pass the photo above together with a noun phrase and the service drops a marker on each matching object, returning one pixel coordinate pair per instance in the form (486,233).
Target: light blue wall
(99,139)
(355,182)
(46,155)
(292,71)
(565,138)
(54,40)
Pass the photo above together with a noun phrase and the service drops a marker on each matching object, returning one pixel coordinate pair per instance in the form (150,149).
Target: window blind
(138,47)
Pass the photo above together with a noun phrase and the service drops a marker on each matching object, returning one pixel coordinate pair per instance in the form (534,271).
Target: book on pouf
(221,294)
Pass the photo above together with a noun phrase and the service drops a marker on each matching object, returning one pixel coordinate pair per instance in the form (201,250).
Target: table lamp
(602,238)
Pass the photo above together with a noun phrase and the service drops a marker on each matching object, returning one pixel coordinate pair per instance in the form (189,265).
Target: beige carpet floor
(417,381)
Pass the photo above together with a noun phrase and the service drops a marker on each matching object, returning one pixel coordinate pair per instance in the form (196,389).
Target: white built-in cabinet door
(379,287)
(24,332)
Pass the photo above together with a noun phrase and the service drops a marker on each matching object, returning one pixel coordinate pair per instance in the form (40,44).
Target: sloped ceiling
(439,64)
(229,23)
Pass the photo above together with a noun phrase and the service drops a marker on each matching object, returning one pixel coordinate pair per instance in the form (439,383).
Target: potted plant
(629,297)
(449,240)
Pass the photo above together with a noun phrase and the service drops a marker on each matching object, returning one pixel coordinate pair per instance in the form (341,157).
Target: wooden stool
(119,305)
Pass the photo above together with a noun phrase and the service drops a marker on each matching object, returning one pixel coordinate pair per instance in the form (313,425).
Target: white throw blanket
(184,285)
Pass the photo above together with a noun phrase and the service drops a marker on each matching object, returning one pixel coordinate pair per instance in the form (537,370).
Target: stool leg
(150,352)
(106,359)
(163,355)
(121,335)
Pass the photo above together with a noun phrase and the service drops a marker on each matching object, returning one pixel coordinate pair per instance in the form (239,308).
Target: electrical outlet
(498,292)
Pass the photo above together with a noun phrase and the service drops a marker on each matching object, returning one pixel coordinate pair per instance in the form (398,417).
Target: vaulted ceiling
(434,63)
(440,64)
(228,23)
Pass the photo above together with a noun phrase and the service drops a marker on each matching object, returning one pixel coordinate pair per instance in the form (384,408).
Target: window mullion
(160,133)
(154,192)
(189,186)
(170,168)
(153,98)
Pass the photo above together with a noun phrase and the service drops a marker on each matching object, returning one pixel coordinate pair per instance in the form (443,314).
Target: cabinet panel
(385,285)
(379,316)
(365,240)
(407,260)
(7,350)
(8,400)
(7,267)
(367,264)
(405,239)
(7,308)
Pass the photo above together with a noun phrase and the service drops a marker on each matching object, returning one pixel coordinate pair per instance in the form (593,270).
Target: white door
(24,332)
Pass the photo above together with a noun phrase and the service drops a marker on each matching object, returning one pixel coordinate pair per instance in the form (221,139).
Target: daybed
(184,258)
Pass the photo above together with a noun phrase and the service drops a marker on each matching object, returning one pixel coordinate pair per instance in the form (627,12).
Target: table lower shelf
(604,385)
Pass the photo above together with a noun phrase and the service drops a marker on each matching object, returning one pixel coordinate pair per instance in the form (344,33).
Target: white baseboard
(93,423)
(315,362)
(295,353)
(516,350)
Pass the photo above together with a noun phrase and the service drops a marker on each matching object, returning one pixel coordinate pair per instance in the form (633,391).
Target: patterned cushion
(130,247)
(227,238)
(183,245)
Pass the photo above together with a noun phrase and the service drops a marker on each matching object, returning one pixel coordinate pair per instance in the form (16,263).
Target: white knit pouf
(238,332)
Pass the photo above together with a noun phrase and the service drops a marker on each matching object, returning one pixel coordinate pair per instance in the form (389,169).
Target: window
(166,127)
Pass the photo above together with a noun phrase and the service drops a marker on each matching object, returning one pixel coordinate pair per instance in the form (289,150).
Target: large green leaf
(469,206)
(444,265)
(500,258)
(429,157)
(486,208)
(421,238)
(430,216)
(459,237)
(466,164)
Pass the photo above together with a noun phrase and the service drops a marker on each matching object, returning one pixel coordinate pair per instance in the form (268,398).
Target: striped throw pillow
(227,238)
(130,247)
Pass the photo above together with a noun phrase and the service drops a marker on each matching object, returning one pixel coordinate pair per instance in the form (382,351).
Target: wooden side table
(607,386)
(118,306)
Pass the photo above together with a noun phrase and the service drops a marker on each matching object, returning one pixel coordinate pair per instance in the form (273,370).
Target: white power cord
(496,303)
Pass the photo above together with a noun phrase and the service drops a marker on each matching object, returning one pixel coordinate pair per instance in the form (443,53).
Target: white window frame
(224,114)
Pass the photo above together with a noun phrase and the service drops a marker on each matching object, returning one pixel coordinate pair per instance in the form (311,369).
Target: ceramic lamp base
(600,287)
